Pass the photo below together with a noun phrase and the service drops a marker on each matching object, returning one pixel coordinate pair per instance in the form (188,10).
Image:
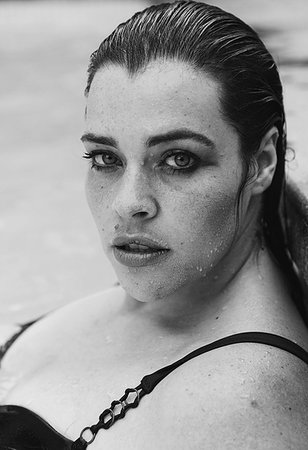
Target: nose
(134,198)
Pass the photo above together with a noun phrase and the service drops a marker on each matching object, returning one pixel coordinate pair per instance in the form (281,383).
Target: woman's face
(165,165)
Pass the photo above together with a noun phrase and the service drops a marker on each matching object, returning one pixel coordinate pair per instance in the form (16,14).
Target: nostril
(141,213)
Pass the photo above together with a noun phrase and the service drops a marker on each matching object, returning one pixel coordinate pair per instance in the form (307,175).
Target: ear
(266,161)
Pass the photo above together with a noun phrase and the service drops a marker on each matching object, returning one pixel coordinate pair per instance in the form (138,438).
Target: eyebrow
(173,135)
(97,139)
(180,134)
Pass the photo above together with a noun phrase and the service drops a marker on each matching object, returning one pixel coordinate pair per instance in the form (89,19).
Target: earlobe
(266,161)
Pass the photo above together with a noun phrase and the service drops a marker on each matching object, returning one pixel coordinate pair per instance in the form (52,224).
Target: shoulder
(42,340)
(243,396)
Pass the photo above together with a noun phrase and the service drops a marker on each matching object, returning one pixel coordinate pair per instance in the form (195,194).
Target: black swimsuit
(22,429)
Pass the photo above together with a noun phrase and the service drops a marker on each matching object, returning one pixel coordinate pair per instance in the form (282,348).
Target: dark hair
(226,48)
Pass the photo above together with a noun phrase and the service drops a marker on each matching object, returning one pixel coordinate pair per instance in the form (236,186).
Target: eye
(179,160)
(102,159)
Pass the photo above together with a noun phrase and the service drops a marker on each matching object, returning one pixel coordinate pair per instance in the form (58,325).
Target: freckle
(217,317)
(254,403)
(102,187)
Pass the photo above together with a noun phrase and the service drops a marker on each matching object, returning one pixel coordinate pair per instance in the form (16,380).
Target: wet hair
(231,52)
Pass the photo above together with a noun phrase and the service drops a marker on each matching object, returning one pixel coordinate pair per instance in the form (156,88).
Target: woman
(185,135)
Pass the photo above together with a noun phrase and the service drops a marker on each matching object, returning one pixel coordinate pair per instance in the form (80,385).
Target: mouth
(137,254)
(139,248)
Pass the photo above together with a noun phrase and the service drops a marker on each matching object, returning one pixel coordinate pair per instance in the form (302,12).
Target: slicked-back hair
(221,45)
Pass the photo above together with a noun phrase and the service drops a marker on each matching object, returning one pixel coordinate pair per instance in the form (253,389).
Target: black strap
(4,347)
(149,382)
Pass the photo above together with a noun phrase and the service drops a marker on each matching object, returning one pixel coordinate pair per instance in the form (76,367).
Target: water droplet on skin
(216,277)
(260,277)
(108,340)
(116,226)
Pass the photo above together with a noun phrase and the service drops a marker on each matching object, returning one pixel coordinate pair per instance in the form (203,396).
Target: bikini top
(22,429)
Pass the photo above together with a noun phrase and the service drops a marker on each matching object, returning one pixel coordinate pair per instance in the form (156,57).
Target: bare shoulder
(68,324)
(244,396)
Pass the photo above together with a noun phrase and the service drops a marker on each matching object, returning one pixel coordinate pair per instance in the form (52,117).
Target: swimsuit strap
(150,381)
(119,407)
(4,347)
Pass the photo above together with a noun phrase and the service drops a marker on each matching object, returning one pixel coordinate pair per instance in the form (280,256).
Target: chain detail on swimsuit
(109,416)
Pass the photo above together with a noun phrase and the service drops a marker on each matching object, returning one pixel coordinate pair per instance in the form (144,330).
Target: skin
(193,213)
(244,396)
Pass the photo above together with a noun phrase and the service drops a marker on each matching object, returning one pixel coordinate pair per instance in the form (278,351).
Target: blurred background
(50,253)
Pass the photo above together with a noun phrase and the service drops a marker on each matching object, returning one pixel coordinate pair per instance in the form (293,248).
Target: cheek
(98,199)
(203,212)
(205,224)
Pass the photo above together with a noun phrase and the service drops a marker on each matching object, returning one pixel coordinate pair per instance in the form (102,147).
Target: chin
(143,292)
(149,291)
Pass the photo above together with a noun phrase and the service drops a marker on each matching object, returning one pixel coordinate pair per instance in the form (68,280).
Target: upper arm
(244,396)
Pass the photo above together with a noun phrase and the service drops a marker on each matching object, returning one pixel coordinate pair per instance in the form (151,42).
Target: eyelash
(90,155)
(168,169)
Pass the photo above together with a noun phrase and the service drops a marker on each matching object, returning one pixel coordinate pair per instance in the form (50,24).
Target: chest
(70,390)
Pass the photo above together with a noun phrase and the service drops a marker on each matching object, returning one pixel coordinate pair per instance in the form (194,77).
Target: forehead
(165,95)
(161,86)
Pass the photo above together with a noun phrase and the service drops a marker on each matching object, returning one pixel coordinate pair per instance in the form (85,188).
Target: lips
(134,247)
(139,251)
(138,244)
